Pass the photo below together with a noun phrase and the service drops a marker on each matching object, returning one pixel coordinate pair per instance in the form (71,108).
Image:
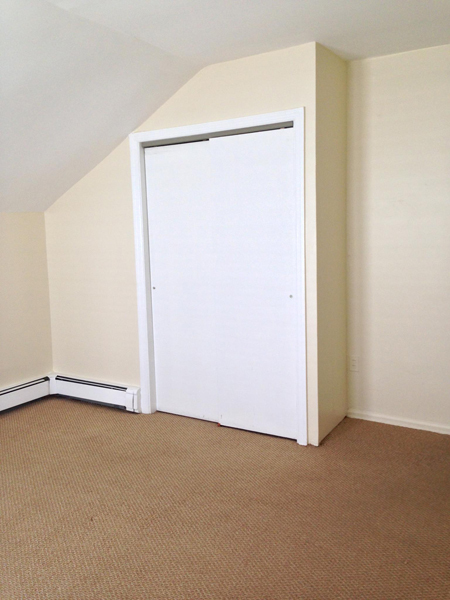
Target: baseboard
(110,394)
(411,423)
(25,392)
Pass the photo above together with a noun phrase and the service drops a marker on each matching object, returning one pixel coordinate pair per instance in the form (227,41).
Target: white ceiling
(79,75)
(71,91)
(210,31)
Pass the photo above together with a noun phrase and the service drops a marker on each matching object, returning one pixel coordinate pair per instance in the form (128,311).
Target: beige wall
(398,221)
(92,276)
(90,231)
(399,242)
(331,168)
(90,234)
(25,345)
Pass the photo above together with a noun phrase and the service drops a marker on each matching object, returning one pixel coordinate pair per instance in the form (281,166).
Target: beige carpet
(102,504)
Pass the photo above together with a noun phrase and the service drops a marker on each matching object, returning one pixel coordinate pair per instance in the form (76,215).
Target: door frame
(138,142)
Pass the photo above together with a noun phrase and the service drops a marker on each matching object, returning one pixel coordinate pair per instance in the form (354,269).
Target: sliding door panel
(183,260)
(254,196)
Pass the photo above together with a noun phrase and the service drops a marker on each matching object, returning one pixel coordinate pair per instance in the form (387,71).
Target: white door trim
(140,141)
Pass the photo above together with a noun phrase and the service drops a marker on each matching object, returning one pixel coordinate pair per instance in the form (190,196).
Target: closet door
(183,262)
(222,223)
(256,303)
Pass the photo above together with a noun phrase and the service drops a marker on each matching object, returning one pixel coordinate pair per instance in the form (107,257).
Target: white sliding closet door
(222,219)
(182,258)
(254,194)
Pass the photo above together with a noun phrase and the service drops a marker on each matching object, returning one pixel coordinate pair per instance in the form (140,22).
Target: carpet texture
(101,504)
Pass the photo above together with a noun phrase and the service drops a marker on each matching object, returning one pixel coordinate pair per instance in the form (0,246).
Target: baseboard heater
(127,398)
(25,392)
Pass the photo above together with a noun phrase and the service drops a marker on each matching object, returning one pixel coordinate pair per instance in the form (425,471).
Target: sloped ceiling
(77,76)
(71,90)
(211,31)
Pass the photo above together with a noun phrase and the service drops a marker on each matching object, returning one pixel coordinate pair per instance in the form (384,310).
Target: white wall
(399,237)
(25,344)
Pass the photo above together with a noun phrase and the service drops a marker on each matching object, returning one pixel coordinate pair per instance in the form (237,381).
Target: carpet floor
(101,504)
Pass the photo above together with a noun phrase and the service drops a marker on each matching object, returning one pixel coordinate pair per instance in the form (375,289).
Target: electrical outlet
(354,363)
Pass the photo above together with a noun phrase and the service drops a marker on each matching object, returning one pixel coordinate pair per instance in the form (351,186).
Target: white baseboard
(60,385)
(411,423)
(25,392)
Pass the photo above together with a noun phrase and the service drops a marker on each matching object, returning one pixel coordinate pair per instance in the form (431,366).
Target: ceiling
(210,31)
(77,76)
(71,91)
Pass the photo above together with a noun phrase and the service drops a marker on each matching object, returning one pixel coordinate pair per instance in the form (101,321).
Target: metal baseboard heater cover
(114,395)
(25,392)
(95,391)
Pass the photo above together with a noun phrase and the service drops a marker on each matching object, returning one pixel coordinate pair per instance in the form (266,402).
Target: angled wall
(71,91)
